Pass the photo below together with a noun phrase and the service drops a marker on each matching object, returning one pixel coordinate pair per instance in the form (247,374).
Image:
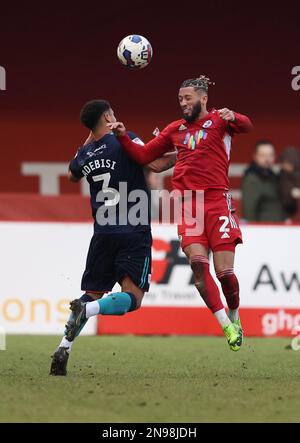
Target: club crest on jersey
(207,124)
(192,140)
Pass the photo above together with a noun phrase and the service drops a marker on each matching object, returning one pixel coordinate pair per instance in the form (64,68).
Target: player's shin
(230,288)
(65,343)
(208,289)
(117,303)
(61,355)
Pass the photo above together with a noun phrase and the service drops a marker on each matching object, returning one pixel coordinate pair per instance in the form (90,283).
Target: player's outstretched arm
(238,123)
(163,163)
(142,154)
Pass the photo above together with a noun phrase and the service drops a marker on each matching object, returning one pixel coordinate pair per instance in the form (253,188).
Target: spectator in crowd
(261,195)
(289,180)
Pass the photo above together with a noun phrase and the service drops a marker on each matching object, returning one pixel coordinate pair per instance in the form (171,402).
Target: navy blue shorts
(113,256)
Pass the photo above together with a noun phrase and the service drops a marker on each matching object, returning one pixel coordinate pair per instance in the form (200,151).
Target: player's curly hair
(92,111)
(200,83)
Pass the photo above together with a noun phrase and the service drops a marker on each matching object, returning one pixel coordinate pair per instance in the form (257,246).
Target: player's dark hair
(261,142)
(92,111)
(200,83)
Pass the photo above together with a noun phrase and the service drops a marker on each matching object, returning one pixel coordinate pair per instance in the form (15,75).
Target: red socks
(230,287)
(208,288)
(205,283)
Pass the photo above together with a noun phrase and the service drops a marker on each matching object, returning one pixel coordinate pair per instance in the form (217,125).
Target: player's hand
(118,128)
(90,139)
(227,115)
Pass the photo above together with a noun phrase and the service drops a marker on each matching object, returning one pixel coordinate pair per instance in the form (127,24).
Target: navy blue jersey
(120,198)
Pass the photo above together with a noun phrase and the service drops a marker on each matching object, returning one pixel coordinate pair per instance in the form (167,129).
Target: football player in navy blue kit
(120,249)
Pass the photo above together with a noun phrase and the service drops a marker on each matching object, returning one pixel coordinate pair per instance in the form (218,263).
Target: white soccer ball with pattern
(135,51)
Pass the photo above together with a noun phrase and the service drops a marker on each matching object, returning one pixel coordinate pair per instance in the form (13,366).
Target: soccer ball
(134,51)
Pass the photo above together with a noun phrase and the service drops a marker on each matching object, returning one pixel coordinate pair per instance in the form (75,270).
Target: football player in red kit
(203,142)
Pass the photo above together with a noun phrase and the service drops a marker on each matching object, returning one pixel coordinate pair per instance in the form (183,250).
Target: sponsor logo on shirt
(182,128)
(192,140)
(99,150)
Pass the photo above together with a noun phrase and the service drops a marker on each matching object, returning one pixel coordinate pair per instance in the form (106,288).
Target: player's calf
(205,284)
(230,288)
(208,289)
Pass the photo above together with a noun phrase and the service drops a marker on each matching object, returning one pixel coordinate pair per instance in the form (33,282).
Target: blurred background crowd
(270,191)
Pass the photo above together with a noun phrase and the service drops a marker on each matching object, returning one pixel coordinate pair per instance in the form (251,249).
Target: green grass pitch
(150,379)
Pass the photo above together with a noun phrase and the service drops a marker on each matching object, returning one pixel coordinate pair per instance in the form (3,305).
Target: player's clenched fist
(227,115)
(118,128)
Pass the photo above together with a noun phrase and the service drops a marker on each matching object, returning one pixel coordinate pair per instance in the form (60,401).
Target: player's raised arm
(72,177)
(241,123)
(149,152)
(75,169)
(238,123)
(74,172)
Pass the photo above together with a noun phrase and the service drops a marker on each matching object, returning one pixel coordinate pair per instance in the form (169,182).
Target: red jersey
(203,150)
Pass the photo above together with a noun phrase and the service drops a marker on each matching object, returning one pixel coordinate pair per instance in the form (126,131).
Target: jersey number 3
(105,178)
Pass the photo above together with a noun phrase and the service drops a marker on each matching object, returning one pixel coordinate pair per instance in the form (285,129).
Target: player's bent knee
(138,300)
(134,291)
(199,265)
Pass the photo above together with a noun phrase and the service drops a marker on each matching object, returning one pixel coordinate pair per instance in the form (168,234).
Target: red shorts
(219,226)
